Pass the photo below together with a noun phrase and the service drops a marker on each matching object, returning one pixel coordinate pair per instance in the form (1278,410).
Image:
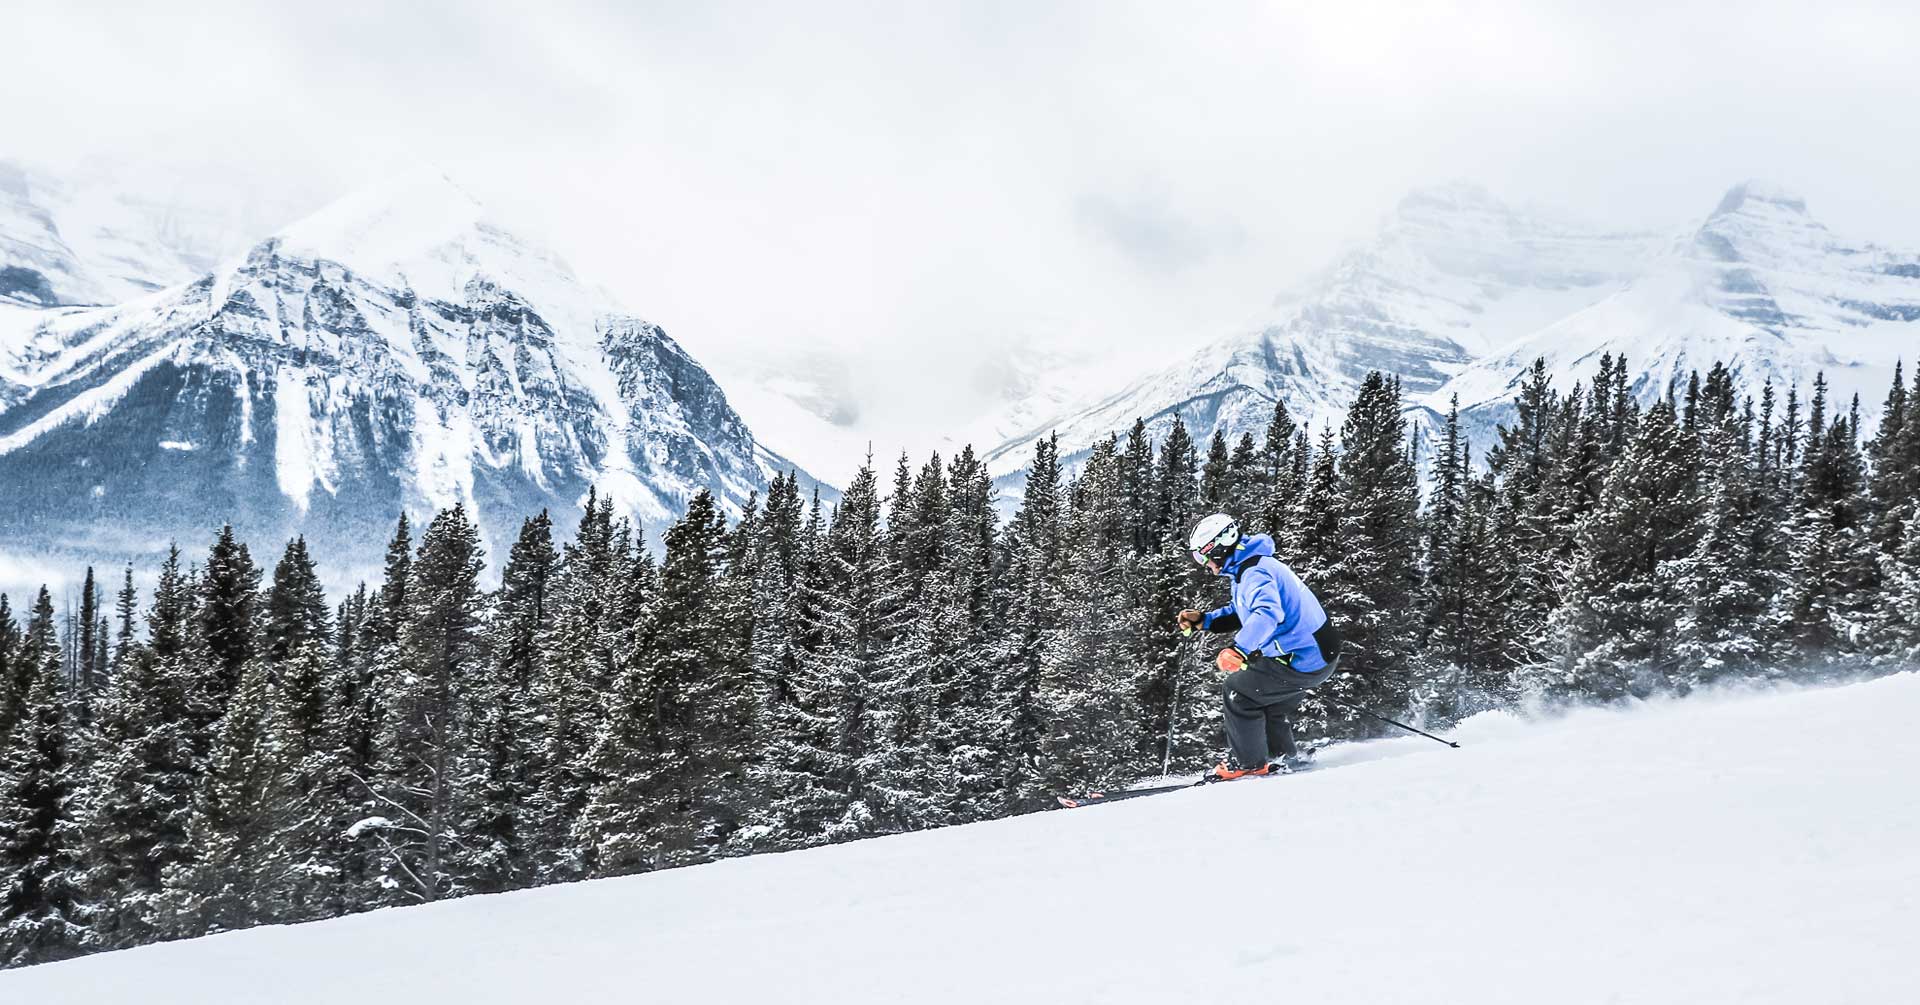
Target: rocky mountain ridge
(395,351)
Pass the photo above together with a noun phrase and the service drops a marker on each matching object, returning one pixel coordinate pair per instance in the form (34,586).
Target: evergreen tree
(923,734)
(966,626)
(1896,500)
(1373,579)
(89,675)
(1177,694)
(577,661)
(1092,728)
(296,612)
(1730,578)
(40,907)
(1280,482)
(225,633)
(797,773)
(1894,457)
(15,675)
(1136,485)
(1618,629)
(220,888)
(138,796)
(1035,561)
(126,608)
(1899,623)
(836,776)
(775,575)
(1527,532)
(417,748)
(1460,638)
(672,751)
(1831,555)
(495,769)
(169,621)
(303,868)
(1216,476)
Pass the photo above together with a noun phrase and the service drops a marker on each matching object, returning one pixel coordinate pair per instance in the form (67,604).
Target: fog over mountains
(1458,293)
(163,370)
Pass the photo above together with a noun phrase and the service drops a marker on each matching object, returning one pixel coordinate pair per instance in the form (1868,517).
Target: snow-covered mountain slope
(93,235)
(1458,294)
(1451,274)
(1760,285)
(801,403)
(395,350)
(1741,848)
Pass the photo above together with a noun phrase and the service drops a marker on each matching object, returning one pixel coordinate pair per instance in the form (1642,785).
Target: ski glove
(1230,659)
(1189,620)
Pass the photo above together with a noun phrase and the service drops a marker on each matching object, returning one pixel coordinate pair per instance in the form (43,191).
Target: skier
(1283,645)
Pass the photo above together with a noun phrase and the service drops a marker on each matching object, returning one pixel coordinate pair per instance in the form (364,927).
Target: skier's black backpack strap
(1327,637)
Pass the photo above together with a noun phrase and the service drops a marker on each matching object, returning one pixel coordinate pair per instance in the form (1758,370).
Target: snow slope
(1748,848)
(106,232)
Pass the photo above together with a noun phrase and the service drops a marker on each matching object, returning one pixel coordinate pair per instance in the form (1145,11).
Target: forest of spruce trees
(235,749)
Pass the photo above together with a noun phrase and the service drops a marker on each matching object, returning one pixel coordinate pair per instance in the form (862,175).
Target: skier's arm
(1220,620)
(1264,615)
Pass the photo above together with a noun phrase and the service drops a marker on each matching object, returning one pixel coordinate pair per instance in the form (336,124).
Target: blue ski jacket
(1276,612)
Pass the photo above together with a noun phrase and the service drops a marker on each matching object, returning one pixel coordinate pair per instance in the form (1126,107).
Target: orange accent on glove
(1230,660)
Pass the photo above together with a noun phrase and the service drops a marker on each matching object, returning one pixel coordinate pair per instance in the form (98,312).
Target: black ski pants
(1260,701)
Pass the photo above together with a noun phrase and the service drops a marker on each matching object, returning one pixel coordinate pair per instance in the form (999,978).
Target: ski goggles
(1219,547)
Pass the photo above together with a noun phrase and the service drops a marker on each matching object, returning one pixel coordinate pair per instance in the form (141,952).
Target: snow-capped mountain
(397,350)
(1760,285)
(1458,293)
(91,235)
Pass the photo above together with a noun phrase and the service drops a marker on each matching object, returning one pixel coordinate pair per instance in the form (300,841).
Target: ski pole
(1390,722)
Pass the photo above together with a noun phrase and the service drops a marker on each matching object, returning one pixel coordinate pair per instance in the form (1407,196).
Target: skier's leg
(1280,738)
(1246,729)
(1280,742)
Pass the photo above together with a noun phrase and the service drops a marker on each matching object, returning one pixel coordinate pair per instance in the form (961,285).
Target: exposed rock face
(396,351)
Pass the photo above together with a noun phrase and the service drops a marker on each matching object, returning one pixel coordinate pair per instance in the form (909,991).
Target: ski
(1092,798)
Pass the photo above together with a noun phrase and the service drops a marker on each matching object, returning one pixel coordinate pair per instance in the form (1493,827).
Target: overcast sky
(918,186)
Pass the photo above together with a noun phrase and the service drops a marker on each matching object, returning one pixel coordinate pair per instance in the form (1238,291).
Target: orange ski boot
(1222,773)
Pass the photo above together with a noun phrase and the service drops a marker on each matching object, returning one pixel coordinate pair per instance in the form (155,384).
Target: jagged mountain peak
(419,232)
(1459,291)
(392,221)
(1448,195)
(1760,222)
(1761,286)
(394,351)
(98,233)
(1756,195)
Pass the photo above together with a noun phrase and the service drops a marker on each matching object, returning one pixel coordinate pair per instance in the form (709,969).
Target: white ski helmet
(1213,538)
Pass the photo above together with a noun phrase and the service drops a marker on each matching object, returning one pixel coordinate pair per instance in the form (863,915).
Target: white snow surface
(106,232)
(1749,847)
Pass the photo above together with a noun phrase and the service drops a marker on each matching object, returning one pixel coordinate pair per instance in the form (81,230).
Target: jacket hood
(1251,548)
